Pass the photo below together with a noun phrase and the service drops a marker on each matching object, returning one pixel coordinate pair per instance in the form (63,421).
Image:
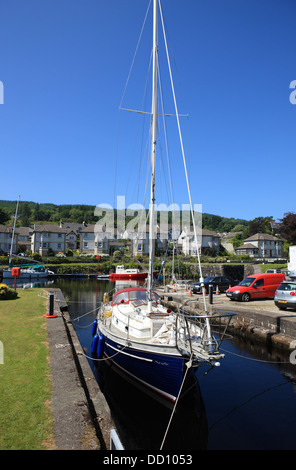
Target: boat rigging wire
(122,98)
(137,47)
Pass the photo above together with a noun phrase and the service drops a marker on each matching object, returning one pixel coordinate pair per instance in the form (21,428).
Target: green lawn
(25,384)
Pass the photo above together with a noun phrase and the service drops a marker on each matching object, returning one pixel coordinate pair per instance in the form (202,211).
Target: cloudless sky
(64,66)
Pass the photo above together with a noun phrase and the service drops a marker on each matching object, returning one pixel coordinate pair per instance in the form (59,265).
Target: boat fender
(94,328)
(100,349)
(106,298)
(94,345)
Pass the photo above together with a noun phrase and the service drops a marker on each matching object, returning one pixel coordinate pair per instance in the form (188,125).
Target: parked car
(256,286)
(223,283)
(285,295)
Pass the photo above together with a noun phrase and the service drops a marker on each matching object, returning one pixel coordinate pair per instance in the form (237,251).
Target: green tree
(25,213)
(260,225)
(4,216)
(288,227)
(36,212)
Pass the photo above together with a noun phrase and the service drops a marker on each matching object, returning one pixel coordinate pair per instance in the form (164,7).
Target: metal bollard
(51,303)
(210,294)
(50,313)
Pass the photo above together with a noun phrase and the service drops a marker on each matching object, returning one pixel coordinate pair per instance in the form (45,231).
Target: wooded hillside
(33,212)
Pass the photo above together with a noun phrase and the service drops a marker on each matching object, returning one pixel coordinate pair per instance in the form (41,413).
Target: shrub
(36,256)
(6,293)
(4,260)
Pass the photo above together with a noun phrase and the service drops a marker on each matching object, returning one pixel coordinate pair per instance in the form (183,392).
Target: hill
(34,212)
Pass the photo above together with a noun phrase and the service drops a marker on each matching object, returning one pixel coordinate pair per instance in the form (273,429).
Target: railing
(192,331)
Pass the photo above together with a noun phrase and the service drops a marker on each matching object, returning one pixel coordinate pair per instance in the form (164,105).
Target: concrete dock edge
(81,415)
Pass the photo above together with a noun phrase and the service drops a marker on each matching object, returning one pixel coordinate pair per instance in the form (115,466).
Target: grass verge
(25,384)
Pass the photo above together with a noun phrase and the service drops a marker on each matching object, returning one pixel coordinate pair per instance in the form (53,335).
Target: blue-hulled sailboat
(142,337)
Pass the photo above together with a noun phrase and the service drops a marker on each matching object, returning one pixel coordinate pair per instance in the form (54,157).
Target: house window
(44,245)
(59,245)
(140,247)
(85,244)
(45,234)
(59,235)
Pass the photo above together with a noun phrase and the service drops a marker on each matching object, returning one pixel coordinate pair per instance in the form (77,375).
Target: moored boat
(28,272)
(129,273)
(150,343)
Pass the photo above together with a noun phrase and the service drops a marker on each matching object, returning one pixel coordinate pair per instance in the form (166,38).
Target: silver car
(285,295)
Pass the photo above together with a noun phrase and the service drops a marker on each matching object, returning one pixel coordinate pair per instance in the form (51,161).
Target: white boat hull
(25,275)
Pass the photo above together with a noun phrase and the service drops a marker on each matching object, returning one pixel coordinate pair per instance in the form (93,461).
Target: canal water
(247,403)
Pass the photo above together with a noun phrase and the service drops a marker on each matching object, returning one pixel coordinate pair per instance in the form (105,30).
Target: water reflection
(142,420)
(26,284)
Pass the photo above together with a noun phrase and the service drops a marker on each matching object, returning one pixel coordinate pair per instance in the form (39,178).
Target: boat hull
(24,275)
(160,369)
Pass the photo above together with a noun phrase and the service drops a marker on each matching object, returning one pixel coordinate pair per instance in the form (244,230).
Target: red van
(256,286)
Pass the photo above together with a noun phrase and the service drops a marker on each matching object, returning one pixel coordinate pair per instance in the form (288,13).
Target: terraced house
(6,239)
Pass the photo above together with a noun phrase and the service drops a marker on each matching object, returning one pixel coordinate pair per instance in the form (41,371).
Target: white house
(24,237)
(48,236)
(140,240)
(262,245)
(96,239)
(71,240)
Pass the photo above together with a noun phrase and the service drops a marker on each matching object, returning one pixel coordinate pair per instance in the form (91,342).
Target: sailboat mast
(153,151)
(12,241)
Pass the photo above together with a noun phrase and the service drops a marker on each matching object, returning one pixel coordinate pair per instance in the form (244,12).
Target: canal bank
(81,416)
(259,320)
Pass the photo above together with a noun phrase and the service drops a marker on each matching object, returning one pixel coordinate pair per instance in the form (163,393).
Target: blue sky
(64,65)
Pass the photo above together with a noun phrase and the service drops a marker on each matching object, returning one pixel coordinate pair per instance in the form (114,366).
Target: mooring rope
(188,365)
(255,360)
(101,359)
